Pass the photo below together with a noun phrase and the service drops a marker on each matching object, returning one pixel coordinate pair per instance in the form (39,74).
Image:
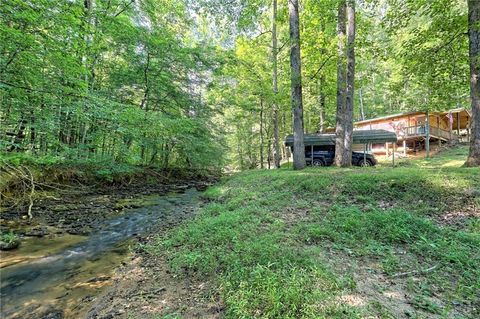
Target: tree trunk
(349,94)
(18,137)
(474,39)
(296,83)
(32,132)
(276,143)
(321,101)
(341,85)
(269,157)
(144,103)
(362,111)
(261,133)
(239,148)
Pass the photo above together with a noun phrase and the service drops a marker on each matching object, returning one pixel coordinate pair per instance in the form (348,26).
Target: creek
(59,276)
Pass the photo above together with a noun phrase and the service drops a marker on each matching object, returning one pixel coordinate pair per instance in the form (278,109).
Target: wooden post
(427,135)
(439,132)
(365,154)
(393,153)
(450,128)
(407,129)
(458,125)
(404,148)
(287,153)
(311,155)
(468,130)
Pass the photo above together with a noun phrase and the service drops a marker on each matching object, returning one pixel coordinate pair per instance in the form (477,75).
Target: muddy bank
(145,288)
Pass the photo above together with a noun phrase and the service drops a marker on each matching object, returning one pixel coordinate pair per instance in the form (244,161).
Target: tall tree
(276,143)
(349,94)
(345,83)
(296,84)
(474,38)
(341,85)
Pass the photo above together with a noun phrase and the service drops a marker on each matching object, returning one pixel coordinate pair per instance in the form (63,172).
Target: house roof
(413,113)
(359,137)
(464,115)
(457,110)
(387,117)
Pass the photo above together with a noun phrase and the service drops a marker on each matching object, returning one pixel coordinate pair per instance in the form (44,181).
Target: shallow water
(59,276)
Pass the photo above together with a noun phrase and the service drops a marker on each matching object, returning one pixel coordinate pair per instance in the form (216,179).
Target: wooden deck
(419,131)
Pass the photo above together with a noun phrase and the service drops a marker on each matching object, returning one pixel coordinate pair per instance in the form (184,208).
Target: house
(418,130)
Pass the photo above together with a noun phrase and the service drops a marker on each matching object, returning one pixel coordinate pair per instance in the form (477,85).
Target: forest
(151,138)
(207,83)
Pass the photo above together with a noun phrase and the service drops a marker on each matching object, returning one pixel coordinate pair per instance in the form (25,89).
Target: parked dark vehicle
(325,155)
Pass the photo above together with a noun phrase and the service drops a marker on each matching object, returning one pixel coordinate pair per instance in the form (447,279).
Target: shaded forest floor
(378,242)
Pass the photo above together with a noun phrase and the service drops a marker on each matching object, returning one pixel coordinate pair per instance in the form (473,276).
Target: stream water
(57,277)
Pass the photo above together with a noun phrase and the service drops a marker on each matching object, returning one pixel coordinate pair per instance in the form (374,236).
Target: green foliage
(189,83)
(18,159)
(8,237)
(110,81)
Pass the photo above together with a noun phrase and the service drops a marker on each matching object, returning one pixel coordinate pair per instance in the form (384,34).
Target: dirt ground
(144,288)
(386,295)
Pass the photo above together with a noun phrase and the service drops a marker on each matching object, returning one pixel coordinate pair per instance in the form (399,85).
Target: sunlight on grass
(453,163)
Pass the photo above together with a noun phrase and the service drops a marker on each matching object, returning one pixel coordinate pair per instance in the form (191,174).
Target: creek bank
(144,287)
(81,211)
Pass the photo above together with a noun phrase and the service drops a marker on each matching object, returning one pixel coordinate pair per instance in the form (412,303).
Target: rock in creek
(39,231)
(9,245)
(79,230)
(53,314)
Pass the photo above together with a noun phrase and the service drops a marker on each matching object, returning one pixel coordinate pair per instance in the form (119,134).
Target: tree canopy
(189,83)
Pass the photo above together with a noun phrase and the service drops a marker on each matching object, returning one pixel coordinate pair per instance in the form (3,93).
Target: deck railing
(414,130)
(436,131)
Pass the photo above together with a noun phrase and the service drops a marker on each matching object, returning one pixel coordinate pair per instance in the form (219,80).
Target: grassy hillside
(385,242)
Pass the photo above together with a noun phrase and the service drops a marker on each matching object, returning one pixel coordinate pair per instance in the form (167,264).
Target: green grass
(264,235)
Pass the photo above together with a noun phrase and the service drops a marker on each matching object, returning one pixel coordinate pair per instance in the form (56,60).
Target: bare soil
(144,288)
(387,295)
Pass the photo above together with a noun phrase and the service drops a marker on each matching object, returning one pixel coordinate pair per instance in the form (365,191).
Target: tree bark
(296,83)
(276,143)
(144,103)
(349,94)
(474,40)
(261,133)
(341,85)
(32,132)
(321,101)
